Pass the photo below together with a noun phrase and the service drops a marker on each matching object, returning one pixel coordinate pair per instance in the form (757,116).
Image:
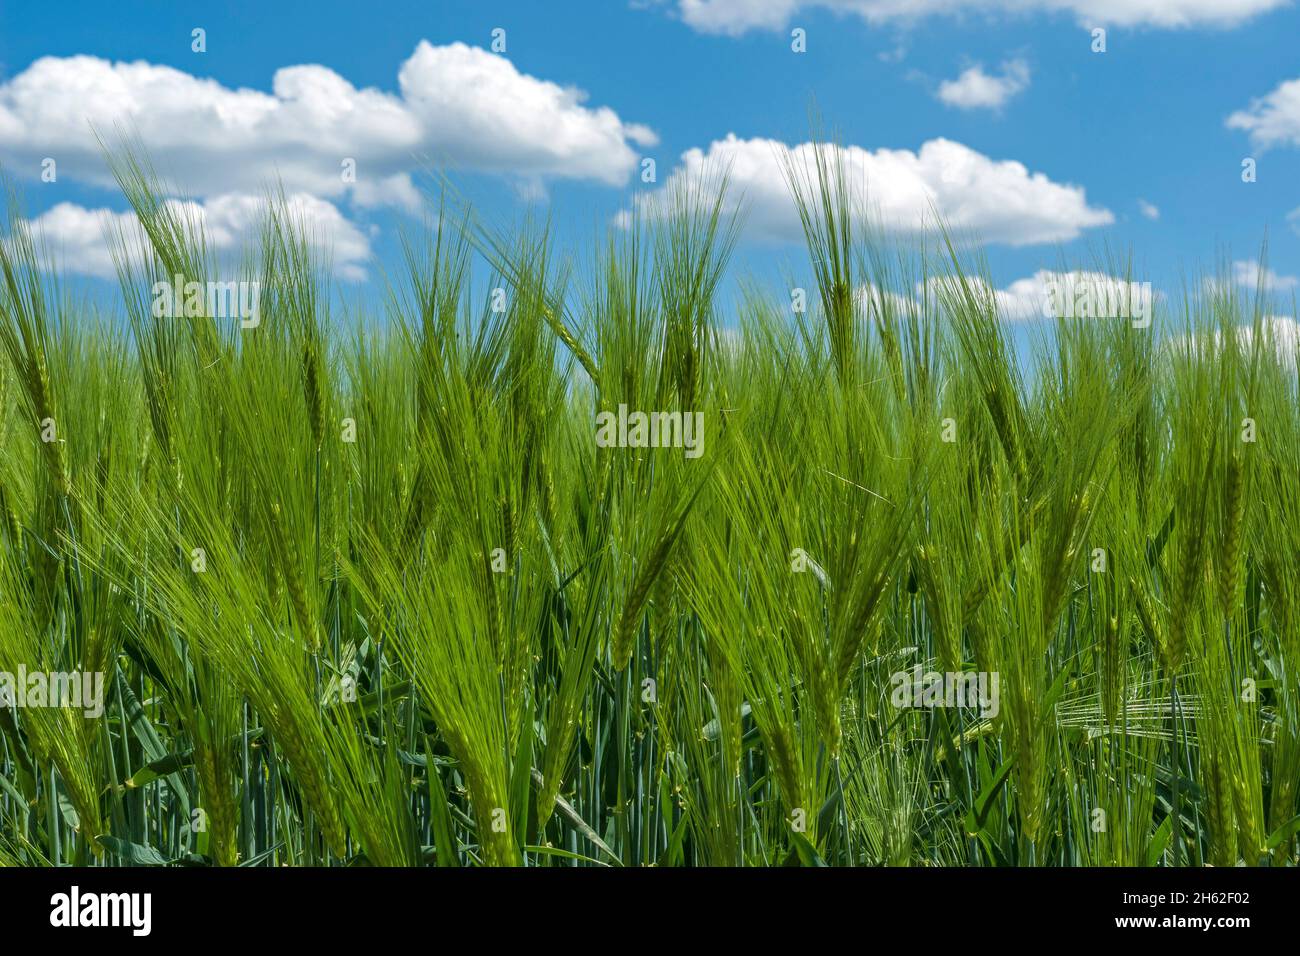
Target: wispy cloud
(740,16)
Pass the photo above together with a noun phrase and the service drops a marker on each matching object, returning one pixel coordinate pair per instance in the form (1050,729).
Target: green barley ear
(295,297)
(314,393)
(290,567)
(1234,504)
(1220,817)
(215,771)
(674,504)
(939,585)
(9,514)
(830,214)
(647,572)
(27,324)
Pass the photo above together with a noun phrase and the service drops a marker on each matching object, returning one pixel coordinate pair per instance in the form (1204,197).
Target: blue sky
(936,105)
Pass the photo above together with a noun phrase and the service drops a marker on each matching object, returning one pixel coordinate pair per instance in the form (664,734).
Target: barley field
(846,584)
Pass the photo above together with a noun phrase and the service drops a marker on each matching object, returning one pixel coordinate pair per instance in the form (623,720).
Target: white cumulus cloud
(1249,273)
(1281,332)
(1038,296)
(1274,119)
(79,238)
(456,105)
(1021,301)
(975,89)
(993,200)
